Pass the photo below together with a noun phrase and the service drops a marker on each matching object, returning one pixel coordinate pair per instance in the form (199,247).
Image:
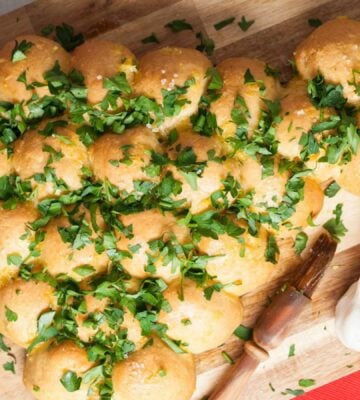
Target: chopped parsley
(335,226)
(206,45)
(272,250)
(71,381)
(66,36)
(225,22)
(245,24)
(291,351)
(314,22)
(178,25)
(10,315)
(3,346)
(150,39)
(306,382)
(301,240)
(9,366)
(20,50)
(293,392)
(227,358)
(332,189)
(243,332)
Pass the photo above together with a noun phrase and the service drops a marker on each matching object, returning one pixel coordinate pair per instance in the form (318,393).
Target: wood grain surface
(279,26)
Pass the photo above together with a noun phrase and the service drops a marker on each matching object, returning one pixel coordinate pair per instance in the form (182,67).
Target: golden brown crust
(232,71)
(122,159)
(15,237)
(45,366)
(34,151)
(41,57)
(28,300)
(200,323)
(155,373)
(147,226)
(89,60)
(333,51)
(168,67)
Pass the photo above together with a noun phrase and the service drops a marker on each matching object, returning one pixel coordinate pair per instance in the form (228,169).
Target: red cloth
(347,388)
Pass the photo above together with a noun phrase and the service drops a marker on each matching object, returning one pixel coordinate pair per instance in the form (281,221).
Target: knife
(274,324)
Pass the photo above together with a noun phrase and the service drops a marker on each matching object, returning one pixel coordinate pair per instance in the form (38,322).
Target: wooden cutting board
(279,26)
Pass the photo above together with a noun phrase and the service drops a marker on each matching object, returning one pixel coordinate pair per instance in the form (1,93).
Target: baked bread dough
(155,373)
(201,324)
(39,58)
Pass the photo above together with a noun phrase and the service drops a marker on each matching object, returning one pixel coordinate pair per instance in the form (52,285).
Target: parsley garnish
(332,189)
(9,366)
(221,24)
(291,351)
(227,358)
(314,22)
(173,100)
(294,392)
(325,95)
(300,242)
(178,25)
(272,250)
(335,226)
(10,315)
(207,45)
(20,50)
(243,332)
(245,24)
(3,346)
(65,35)
(150,39)
(269,71)
(71,381)
(306,382)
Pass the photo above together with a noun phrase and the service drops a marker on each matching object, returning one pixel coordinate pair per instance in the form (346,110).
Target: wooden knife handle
(273,325)
(234,381)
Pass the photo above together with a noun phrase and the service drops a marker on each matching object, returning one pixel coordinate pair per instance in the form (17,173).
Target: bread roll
(270,191)
(129,322)
(122,159)
(89,60)
(162,70)
(15,238)
(333,51)
(46,366)
(148,226)
(298,115)
(232,71)
(216,169)
(39,58)
(200,323)
(60,257)
(154,373)
(28,300)
(62,152)
(240,266)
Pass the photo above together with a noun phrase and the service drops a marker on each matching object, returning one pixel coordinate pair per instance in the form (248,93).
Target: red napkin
(347,388)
